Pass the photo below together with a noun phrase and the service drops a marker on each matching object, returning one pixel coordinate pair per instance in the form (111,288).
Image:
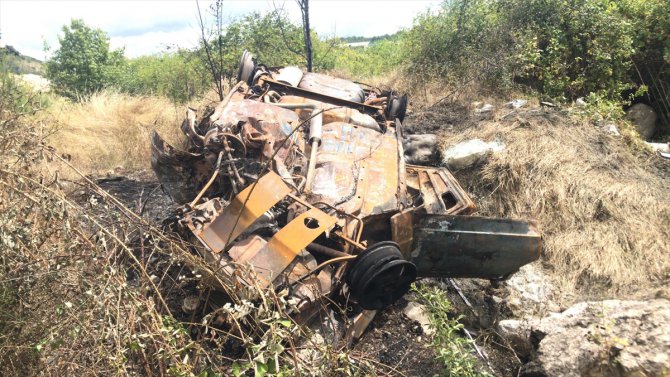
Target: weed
(453,350)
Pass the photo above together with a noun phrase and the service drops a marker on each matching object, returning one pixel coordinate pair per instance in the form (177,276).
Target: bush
(380,57)
(461,42)
(179,76)
(83,64)
(650,21)
(562,49)
(572,49)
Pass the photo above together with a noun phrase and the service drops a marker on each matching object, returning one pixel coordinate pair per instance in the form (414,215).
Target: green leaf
(261,369)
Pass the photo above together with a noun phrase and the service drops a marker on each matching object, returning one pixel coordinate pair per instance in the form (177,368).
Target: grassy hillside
(20,64)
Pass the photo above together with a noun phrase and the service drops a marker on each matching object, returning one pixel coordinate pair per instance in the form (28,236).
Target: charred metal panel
(474,247)
(181,173)
(440,191)
(357,169)
(288,89)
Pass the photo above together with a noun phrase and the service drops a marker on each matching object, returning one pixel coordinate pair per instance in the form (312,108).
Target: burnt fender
(473,247)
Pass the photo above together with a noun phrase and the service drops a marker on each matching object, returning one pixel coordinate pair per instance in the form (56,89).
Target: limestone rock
(611,129)
(468,153)
(484,112)
(659,147)
(517,333)
(516,104)
(605,338)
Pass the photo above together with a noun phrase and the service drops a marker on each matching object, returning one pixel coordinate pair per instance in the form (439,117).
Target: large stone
(605,338)
(644,118)
(468,153)
(660,147)
(530,292)
(517,334)
(484,112)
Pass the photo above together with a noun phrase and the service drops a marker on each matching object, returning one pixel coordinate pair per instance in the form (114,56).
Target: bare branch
(277,12)
(210,58)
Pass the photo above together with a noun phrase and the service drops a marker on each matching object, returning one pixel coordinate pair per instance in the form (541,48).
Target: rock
(421,149)
(190,304)
(517,103)
(517,333)
(417,312)
(485,111)
(659,147)
(611,129)
(468,153)
(605,338)
(644,118)
(530,292)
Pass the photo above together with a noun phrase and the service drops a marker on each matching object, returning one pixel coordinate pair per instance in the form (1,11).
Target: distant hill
(20,64)
(356,39)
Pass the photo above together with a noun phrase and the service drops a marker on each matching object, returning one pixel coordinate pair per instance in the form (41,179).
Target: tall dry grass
(111,130)
(604,209)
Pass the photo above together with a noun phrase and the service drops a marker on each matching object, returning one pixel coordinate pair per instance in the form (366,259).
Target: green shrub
(460,42)
(378,58)
(178,75)
(563,49)
(83,63)
(571,49)
(454,351)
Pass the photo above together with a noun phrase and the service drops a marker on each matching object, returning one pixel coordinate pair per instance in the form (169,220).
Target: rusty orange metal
(244,209)
(299,233)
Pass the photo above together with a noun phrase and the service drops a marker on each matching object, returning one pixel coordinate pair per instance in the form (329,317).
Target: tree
(83,64)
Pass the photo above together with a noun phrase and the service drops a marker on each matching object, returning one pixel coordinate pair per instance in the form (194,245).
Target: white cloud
(145,27)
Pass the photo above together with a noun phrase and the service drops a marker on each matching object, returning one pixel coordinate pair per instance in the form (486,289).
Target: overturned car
(298,180)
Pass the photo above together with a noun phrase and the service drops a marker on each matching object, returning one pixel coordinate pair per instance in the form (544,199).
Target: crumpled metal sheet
(439,190)
(181,173)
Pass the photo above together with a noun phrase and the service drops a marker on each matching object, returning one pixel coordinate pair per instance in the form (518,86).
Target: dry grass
(604,210)
(111,130)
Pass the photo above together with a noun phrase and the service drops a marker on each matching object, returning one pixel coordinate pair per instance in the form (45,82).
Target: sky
(145,27)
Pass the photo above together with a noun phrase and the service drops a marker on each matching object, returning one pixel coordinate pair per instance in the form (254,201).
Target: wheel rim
(379,276)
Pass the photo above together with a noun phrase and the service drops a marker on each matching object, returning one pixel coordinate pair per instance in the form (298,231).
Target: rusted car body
(298,180)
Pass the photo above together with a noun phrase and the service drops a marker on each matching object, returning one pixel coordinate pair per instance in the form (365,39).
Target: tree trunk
(304,9)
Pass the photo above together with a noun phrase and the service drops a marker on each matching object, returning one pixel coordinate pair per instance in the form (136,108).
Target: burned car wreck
(298,180)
